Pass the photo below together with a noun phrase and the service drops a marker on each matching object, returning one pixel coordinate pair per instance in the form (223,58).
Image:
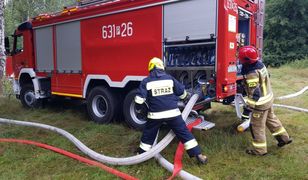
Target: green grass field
(224,147)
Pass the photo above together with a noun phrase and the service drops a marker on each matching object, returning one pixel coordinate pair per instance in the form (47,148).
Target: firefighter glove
(187,98)
(142,109)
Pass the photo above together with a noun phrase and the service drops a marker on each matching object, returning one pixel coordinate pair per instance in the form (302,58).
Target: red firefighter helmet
(248,55)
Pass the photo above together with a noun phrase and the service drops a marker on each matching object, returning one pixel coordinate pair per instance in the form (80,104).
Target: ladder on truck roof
(92,2)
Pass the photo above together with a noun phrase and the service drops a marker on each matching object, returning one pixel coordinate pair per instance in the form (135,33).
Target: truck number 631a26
(114,30)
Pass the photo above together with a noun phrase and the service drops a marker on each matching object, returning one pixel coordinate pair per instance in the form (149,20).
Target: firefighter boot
(283,140)
(139,151)
(254,152)
(202,159)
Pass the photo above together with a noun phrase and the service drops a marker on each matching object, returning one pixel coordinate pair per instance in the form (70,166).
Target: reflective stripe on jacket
(161,92)
(258,87)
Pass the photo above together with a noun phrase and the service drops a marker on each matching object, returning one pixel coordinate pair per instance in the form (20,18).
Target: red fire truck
(9,67)
(98,51)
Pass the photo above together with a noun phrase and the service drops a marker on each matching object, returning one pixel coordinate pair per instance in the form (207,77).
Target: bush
(7,86)
(299,64)
(278,60)
(285,31)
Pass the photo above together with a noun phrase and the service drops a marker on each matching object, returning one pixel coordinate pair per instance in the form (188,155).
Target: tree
(286,31)
(2,46)
(18,11)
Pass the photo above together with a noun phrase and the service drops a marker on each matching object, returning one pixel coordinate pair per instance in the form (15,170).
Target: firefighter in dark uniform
(260,102)
(161,93)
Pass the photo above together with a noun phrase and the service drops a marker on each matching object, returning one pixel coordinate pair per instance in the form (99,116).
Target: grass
(224,147)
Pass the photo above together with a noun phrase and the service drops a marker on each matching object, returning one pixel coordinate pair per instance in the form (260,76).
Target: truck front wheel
(133,119)
(27,97)
(101,105)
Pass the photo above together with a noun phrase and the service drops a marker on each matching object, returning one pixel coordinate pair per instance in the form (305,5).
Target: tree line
(2,50)
(18,11)
(285,32)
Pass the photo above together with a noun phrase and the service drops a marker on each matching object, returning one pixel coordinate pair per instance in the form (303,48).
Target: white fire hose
(112,160)
(294,94)
(155,150)
(167,165)
(239,101)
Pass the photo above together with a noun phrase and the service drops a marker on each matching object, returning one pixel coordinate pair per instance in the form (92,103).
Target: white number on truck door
(113,30)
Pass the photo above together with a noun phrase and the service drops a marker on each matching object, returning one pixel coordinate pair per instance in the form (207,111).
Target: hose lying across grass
(141,157)
(73,156)
(291,108)
(294,108)
(239,101)
(176,169)
(106,159)
(292,96)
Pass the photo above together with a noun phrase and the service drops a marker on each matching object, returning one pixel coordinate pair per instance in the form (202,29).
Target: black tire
(132,118)
(27,97)
(101,105)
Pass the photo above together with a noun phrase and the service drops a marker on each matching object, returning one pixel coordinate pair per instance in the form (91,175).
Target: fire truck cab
(99,50)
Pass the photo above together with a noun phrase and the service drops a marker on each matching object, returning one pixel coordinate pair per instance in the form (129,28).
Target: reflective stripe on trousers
(179,128)
(190,144)
(259,145)
(280,131)
(145,147)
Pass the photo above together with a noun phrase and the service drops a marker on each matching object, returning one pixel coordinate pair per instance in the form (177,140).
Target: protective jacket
(257,85)
(161,92)
(260,101)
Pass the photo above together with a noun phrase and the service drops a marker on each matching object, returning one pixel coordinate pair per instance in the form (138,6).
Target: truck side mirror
(7,46)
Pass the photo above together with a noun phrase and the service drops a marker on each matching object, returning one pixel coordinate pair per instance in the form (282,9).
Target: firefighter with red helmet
(260,102)
(161,93)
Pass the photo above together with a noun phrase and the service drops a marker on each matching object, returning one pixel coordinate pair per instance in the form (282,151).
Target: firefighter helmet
(248,55)
(156,62)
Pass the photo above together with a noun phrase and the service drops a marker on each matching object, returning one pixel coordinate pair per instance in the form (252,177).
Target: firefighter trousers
(266,118)
(179,128)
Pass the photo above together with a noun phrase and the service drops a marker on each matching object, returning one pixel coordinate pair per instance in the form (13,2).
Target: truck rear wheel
(133,119)
(101,105)
(27,97)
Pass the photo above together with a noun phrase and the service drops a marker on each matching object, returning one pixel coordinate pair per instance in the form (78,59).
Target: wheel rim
(138,118)
(29,98)
(99,106)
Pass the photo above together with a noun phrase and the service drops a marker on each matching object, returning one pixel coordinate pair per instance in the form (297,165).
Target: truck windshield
(18,44)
